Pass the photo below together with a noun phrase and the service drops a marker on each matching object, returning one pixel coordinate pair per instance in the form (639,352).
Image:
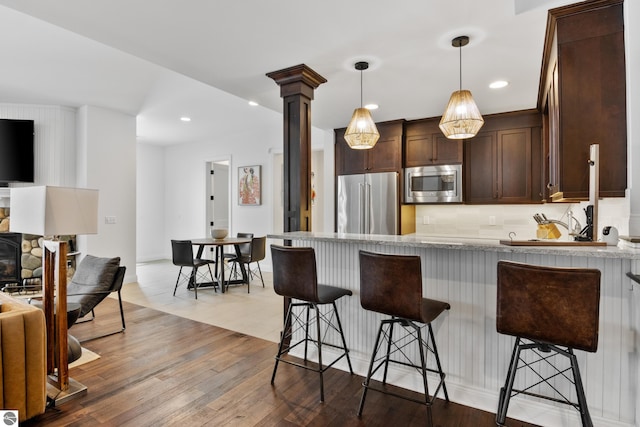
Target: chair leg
(440,371)
(194,277)
(389,341)
(582,400)
(306,333)
(248,279)
(365,384)
(177,281)
(121,310)
(281,345)
(319,338)
(505,392)
(344,342)
(423,363)
(260,271)
(212,279)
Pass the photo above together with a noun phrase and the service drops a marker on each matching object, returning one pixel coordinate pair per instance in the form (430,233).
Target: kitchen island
(475,358)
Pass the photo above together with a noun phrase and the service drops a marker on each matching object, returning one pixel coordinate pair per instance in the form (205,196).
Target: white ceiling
(162,59)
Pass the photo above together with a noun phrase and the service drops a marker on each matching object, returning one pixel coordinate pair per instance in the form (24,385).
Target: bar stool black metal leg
(440,371)
(365,384)
(319,338)
(389,341)
(306,333)
(582,400)
(505,392)
(344,342)
(423,363)
(282,341)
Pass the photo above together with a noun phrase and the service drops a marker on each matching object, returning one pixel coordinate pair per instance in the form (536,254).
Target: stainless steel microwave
(433,184)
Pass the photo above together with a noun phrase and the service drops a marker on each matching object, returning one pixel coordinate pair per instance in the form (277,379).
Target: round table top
(221,242)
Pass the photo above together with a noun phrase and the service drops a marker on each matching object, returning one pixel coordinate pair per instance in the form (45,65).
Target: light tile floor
(258,313)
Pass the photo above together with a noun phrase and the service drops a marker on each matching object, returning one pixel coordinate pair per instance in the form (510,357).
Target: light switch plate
(109,219)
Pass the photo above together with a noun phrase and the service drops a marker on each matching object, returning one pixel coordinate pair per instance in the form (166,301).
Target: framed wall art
(249,186)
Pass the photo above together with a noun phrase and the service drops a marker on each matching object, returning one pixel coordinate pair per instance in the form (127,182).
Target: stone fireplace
(10,258)
(21,255)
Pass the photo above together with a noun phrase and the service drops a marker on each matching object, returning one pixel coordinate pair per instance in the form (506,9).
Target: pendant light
(361,134)
(461,118)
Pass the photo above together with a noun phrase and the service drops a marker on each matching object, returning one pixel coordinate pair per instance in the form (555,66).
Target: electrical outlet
(109,219)
(492,220)
(426,220)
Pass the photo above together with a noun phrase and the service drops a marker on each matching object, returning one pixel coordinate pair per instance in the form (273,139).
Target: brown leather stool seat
(392,285)
(295,277)
(548,310)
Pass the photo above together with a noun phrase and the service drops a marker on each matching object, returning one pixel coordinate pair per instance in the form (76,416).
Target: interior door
(218,196)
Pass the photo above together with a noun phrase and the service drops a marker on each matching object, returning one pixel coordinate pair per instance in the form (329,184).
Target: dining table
(219,245)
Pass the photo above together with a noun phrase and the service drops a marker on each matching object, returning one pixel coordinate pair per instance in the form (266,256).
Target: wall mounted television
(16,151)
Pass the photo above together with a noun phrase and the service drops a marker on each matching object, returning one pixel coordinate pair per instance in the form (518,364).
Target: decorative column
(297,84)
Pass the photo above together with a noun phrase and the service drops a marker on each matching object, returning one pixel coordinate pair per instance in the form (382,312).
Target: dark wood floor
(167,370)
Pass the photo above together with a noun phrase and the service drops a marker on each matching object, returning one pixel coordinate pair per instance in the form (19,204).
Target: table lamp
(50,212)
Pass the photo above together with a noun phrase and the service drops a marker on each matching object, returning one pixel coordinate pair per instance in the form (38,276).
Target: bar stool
(295,277)
(392,285)
(551,311)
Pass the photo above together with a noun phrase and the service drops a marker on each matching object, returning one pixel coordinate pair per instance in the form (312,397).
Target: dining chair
(182,252)
(245,248)
(257,249)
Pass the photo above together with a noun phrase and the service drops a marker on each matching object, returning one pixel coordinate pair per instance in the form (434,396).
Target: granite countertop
(460,243)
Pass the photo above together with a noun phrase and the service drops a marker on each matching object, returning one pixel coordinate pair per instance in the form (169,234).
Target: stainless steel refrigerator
(368,203)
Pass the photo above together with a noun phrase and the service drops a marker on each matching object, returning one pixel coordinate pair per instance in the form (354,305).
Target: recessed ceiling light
(185,119)
(253,103)
(371,106)
(498,84)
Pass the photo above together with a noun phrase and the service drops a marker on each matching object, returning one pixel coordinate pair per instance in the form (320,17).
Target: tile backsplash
(497,221)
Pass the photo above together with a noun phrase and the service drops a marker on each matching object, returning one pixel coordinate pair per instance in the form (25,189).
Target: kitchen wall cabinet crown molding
(583,96)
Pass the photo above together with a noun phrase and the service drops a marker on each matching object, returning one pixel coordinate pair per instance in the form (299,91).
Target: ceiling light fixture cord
(460,51)
(361,103)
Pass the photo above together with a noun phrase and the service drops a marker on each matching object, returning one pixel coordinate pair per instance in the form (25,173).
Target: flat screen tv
(16,151)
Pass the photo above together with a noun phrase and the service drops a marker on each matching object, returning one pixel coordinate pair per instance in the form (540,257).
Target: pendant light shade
(461,118)
(362,133)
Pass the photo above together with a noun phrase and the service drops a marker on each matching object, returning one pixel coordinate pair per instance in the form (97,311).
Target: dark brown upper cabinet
(582,95)
(502,163)
(425,145)
(385,156)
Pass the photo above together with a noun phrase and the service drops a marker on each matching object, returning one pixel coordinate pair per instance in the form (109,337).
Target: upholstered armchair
(23,364)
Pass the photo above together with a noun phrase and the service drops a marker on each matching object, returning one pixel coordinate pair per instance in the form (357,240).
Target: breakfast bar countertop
(461,243)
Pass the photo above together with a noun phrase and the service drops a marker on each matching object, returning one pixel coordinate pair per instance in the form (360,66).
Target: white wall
(186,174)
(150,181)
(107,142)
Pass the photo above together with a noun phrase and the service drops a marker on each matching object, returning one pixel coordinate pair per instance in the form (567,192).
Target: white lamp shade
(362,132)
(461,118)
(54,211)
